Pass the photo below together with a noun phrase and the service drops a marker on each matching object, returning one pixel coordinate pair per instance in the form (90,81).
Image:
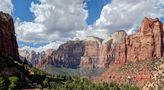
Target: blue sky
(22,10)
(99,18)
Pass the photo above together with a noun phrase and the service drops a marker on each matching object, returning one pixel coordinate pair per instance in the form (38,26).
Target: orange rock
(145,44)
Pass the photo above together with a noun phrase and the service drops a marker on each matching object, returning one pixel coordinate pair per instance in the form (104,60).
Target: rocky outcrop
(135,56)
(68,55)
(91,52)
(145,74)
(145,44)
(36,59)
(8,43)
(118,48)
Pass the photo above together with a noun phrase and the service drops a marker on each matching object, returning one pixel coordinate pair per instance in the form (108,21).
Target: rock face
(91,52)
(36,59)
(115,53)
(145,44)
(145,74)
(68,55)
(133,55)
(8,43)
(118,48)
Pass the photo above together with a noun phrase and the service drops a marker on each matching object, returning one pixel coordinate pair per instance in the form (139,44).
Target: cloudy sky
(43,24)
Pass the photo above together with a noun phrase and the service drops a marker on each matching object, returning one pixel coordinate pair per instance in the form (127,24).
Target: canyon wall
(67,55)
(8,43)
(147,43)
(137,55)
(119,48)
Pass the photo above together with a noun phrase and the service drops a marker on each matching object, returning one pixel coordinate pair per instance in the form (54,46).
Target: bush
(46,83)
(13,82)
(53,85)
(3,83)
(39,86)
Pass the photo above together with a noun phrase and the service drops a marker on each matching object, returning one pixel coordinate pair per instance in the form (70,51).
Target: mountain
(35,58)
(118,48)
(128,58)
(8,43)
(138,56)
(16,75)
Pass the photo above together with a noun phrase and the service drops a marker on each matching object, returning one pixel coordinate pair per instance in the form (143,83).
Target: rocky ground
(147,74)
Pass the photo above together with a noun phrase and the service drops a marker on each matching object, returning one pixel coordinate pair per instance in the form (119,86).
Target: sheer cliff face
(37,59)
(8,43)
(145,47)
(118,48)
(145,44)
(67,55)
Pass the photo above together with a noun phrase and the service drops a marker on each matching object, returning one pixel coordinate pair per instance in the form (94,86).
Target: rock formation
(36,59)
(136,55)
(91,52)
(145,44)
(118,48)
(67,55)
(8,43)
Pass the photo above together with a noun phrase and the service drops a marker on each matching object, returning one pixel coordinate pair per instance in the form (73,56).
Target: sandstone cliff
(36,59)
(118,48)
(145,44)
(8,43)
(136,56)
(67,55)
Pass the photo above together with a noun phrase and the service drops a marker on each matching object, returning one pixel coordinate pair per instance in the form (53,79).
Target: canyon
(119,48)
(128,59)
(133,59)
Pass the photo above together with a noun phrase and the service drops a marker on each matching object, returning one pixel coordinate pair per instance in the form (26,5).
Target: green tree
(13,82)
(46,83)
(3,83)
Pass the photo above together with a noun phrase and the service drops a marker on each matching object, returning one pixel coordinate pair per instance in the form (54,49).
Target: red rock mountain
(133,57)
(8,43)
(118,48)
(145,44)
(129,58)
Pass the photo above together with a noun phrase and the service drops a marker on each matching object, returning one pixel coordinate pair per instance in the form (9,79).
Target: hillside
(147,74)
(15,75)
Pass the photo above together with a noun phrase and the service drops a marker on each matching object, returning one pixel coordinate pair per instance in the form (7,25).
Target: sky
(44,24)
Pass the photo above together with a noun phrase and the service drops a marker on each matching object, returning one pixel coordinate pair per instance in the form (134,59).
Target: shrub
(53,85)
(3,83)
(13,82)
(39,86)
(46,83)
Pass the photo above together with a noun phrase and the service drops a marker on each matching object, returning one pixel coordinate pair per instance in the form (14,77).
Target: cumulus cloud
(61,20)
(101,33)
(53,45)
(6,6)
(54,20)
(126,14)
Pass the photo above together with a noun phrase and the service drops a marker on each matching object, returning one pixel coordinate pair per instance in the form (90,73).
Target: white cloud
(54,20)
(101,33)
(125,14)
(61,20)
(6,6)
(52,45)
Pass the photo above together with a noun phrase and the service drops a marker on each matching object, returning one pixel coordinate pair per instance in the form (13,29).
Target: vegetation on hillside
(86,72)
(16,75)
